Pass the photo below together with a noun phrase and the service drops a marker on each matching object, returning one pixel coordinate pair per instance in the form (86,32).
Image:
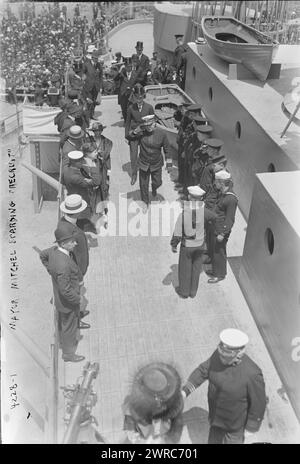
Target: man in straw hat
(189,230)
(225,209)
(71,208)
(66,280)
(236,390)
(153,408)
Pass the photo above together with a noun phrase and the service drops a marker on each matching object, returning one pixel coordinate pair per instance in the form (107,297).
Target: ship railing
(49,365)
(133,10)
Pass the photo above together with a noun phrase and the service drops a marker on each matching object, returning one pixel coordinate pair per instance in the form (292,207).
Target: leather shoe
(180,294)
(84,313)
(75,358)
(133,179)
(145,208)
(209,272)
(214,280)
(84,325)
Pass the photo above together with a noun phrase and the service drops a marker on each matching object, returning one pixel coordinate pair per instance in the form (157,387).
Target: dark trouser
(209,239)
(144,177)
(219,257)
(133,149)
(68,331)
(124,105)
(189,269)
(180,163)
(219,436)
(94,93)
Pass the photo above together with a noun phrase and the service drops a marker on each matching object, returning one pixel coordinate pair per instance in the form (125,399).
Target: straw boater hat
(155,393)
(73,204)
(75,132)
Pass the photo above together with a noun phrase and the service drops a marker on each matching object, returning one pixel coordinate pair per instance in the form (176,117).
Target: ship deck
(135,314)
(263,100)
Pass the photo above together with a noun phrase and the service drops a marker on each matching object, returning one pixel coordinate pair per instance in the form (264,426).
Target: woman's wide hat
(155,393)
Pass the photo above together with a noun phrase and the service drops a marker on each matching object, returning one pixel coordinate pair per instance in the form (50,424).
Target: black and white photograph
(150,225)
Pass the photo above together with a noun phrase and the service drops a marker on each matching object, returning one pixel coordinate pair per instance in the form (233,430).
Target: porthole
(271,168)
(194,72)
(238,130)
(269,241)
(210,93)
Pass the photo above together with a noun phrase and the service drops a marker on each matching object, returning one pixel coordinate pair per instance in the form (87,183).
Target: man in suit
(162,74)
(72,112)
(66,280)
(71,208)
(180,60)
(236,390)
(142,62)
(73,142)
(93,79)
(126,81)
(135,115)
(79,182)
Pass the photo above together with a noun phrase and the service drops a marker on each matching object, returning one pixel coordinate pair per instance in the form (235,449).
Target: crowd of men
(202,229)
(37,46)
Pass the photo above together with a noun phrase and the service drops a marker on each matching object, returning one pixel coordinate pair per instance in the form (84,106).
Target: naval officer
(225,209)
(236,390)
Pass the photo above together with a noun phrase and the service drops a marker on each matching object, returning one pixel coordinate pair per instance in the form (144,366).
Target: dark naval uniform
(225,209)
(181,137)
(133,120)
(76,182)
(236,397)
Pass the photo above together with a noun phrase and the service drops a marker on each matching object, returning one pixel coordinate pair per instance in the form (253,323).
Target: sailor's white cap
(196,191)
(222,175)
(234,338)
(149,119)
(75,155)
